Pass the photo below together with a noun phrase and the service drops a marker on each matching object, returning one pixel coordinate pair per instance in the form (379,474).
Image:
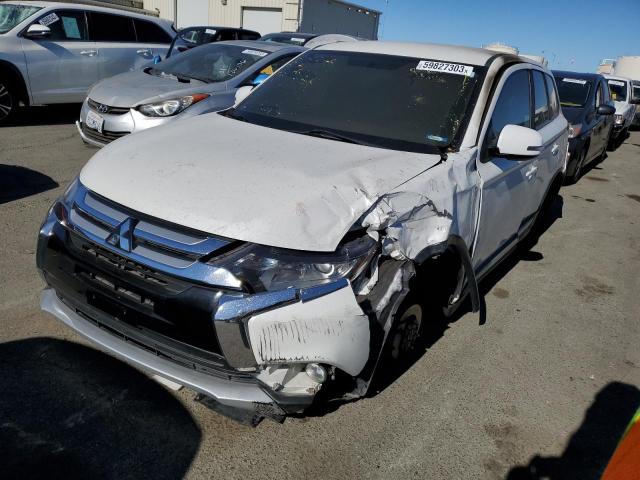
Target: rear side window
(65,25)
(227,35)
(512,108)
(541,114)
(105,27)
(247,35)
(554,107)
(148,32)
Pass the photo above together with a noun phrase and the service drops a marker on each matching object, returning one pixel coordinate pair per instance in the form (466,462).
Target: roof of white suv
(432,51)
(115,8)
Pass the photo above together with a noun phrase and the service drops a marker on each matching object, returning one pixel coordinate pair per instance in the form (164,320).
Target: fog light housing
(316,372)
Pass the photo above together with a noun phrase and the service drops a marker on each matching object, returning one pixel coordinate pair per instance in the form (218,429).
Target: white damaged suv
(294,244)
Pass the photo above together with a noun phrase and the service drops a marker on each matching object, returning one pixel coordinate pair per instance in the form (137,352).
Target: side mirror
(242,93)
(605,110)
(518,141)
(37,31)
(157,59)
(259,79)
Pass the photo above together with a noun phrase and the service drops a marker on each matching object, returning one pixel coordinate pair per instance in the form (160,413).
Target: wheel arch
(15,76)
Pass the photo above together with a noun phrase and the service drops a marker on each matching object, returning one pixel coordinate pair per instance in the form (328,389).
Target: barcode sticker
(49,19)
(455,68)
(256,53)
(574,80)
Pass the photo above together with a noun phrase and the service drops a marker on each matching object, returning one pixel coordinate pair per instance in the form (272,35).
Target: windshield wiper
(332,136)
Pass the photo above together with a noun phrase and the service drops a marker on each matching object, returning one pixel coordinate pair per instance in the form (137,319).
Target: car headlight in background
(619,119)
(574,130)
(172,106)
(262,268)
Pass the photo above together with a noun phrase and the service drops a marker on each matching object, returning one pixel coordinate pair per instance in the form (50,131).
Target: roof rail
(133,6)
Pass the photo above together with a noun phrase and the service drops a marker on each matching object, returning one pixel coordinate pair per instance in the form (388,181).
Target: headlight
(574,130)
(170,107)
(619,119)
(263,268)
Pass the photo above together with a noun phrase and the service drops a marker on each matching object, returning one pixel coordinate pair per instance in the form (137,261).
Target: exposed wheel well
(9,72)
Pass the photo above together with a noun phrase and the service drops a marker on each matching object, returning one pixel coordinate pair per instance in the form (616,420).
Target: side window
(554,104)
(512,108)
(541,114)
(148,32)
(105,27)
(275,66)
(65,25)
(247,35)
(604,92)
(599,97)
(227,35)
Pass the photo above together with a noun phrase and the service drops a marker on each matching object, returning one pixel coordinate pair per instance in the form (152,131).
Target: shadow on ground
(49,115)
(592,445)
(18,182)
(68,411)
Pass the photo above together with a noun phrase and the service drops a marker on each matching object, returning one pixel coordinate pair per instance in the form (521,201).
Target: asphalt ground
(543,390)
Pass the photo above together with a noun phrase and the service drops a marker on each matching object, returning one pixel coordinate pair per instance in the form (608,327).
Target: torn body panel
(425,211)
(331,329)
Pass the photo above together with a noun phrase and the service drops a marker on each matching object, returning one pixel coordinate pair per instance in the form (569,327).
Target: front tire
(577,171)
(8,102)
(405,331)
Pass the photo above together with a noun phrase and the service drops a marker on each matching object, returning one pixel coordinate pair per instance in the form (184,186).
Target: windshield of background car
(209,63)
(394,102)
(12,15)
(618,90)
(574,92)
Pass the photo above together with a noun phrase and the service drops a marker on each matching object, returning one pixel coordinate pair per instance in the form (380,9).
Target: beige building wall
(164,7)
(230,15)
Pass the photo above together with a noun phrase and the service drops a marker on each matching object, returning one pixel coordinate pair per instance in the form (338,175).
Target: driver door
(62,66)
(506,183)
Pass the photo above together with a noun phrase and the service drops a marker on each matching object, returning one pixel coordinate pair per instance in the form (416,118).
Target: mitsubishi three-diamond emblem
(122,235)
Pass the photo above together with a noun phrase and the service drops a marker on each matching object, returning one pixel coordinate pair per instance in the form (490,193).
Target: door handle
(89,53)
(555,149)
(145,52)
(531,172)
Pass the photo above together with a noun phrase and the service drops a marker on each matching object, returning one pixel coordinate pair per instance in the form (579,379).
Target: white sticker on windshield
(49,19)
(455,68)
(616,82)
(574,80)
(257,53)
(210,31)
(297,40)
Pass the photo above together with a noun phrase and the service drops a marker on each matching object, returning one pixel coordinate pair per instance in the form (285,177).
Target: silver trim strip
(234,394)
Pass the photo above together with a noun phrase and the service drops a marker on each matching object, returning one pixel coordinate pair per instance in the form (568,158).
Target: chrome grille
(163,247)
(102,137)
(109,109)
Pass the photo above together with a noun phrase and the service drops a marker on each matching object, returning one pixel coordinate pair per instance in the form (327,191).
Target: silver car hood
(248,182)
(130,89)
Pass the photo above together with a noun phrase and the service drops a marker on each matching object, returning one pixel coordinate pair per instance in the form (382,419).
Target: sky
(571,34)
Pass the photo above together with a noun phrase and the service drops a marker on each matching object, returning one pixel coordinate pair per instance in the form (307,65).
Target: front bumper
(116,125)
(245,396)
(180,322)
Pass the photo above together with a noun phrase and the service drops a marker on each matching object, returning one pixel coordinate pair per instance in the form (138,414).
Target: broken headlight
(262,268)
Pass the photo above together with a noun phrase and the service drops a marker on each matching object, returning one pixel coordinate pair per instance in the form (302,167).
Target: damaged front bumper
(238,350)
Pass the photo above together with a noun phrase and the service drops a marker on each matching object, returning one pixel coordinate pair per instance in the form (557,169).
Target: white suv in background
(622,94)
(53,52)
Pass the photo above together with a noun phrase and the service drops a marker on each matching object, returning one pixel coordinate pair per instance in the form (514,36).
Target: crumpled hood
(248,182)
(130,89)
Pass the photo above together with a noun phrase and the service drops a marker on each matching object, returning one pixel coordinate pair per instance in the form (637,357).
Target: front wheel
(405,331)
(8,102)
(577,171)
